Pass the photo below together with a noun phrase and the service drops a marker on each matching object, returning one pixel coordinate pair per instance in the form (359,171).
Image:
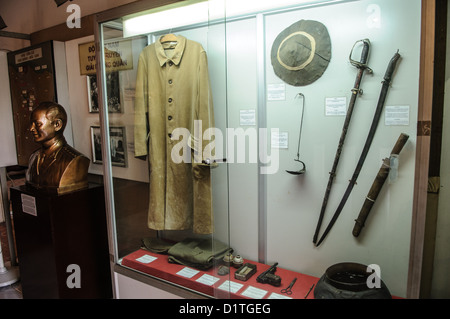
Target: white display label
(335,106)
(254,293)
(208,280)
(146,259)
(279,139)
(276,92)
(396,115)
(230,286)
(247,117)
(187,272)
(274,295)
(29,204)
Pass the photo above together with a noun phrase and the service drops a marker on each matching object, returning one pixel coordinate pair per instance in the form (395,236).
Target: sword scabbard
(377,185)
(371,197)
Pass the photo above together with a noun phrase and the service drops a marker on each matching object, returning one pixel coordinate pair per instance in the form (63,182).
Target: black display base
(62,243)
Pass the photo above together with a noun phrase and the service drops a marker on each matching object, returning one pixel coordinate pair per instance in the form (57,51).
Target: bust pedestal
(61,241)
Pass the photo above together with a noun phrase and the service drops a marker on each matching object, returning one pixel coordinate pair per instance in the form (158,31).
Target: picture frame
(113,93)
(118,145)
(92,93)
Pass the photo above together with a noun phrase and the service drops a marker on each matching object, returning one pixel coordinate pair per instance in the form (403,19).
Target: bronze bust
(56,167)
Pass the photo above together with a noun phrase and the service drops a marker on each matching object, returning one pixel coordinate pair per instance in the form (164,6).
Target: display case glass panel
(275,106)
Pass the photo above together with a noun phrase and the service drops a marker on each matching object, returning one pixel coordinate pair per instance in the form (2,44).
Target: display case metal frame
(422,147)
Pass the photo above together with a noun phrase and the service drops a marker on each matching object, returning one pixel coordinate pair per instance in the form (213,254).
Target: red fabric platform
(210,283)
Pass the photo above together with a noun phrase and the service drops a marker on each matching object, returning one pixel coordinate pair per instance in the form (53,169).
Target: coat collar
(177,54)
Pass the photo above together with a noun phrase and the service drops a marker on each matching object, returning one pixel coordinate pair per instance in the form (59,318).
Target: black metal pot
(348,281)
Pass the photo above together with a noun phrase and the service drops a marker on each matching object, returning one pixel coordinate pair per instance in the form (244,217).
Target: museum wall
(87,118)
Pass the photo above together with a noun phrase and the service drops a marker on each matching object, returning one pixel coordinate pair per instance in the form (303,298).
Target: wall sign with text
(118,56)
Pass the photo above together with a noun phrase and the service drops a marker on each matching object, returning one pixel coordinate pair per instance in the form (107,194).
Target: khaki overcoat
(173,97)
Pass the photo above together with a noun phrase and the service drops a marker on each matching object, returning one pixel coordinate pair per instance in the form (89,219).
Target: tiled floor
(13,291)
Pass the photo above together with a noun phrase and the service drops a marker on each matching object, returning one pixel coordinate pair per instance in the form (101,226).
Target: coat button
(170,135)
(170,100)
(169,117)
(170,81)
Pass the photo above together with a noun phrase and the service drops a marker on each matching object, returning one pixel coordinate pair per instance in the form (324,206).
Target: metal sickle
(303,169)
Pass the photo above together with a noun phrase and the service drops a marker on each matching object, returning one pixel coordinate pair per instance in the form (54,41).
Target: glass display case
(236,136)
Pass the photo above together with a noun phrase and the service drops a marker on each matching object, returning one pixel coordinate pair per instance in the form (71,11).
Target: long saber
(377,184)
(362,66)
(376,118)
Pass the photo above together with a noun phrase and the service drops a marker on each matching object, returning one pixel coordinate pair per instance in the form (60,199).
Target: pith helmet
(301,52)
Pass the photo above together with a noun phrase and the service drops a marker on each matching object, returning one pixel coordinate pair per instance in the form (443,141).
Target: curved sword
(362,66)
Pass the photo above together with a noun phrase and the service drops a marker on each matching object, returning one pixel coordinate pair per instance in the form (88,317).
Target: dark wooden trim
(63,33)
(440,55)
(14,35)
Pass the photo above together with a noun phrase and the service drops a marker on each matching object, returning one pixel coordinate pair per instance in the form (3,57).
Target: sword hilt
(362,63)
(391,67)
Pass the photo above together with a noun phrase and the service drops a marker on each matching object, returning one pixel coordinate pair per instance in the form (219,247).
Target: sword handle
(391,67)
(365,51)
(401,141)
(362,63)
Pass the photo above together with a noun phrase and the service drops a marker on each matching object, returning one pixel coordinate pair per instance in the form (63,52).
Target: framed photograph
(93,93)
(96,142)
(113,93)
(118,144)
